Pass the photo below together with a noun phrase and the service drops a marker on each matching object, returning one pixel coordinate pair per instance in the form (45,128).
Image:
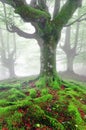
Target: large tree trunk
(48,74)
(48,60)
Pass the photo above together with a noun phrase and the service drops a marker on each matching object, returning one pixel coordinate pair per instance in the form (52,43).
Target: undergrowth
(26,105)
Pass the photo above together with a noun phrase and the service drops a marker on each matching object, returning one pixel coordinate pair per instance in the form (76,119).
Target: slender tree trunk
(70,60)
(11,70)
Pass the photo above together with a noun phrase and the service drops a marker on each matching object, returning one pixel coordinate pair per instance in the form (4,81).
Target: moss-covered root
(53,123)
(42,118)
(45,81)
(77,121)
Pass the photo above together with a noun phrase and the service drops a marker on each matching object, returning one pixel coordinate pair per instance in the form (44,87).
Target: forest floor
(25,106)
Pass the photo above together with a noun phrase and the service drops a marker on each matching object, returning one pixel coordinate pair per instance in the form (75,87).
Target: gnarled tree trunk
(48,59)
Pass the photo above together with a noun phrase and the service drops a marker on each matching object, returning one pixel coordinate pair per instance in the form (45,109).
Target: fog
(27,51)
(28,59)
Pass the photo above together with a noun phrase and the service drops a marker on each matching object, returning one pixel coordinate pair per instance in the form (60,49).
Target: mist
(26,52)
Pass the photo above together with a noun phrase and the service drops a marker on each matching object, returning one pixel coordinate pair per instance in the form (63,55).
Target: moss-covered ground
(25,106)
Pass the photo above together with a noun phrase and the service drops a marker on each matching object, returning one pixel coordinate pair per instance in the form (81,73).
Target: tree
(48,30)
(7,50)
(71,52)
(7,55)
(73,48)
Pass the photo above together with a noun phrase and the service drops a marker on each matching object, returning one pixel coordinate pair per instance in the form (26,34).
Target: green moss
(55,84)
(32,93)
(75,113)
(15,118)
(12,95)
(53,122)
(45,98)
(5,102)
(66,13)
(67,103)
(44,91)
(31,13)
(41,117)
(41,82)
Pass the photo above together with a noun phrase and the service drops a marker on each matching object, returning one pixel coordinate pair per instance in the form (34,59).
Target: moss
(49,81)
(4,86)
(12,95)
(14,119)
(32,93)
(5,102)
(53,122)
(30,13)
(66,13)
(45,98)
(44,91)
(41,117)
(75,113)
(61,113)
(41,82)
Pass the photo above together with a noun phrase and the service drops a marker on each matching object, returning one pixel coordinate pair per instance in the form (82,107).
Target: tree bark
(48,59)
(70,60)
(11,70)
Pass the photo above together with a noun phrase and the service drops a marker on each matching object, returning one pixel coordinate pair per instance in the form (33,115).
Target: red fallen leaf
(49,108)
(46,128)
(81,113)
(38,94)
(20,110)
(4,128)
(27,93)
(62,87)
(28,125)
(32,84)
(37,129)
(61,120)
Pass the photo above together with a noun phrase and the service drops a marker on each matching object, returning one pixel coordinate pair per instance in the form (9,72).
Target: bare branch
(77,20)
(15,29)
(56,8)
(40,4)
(76,36)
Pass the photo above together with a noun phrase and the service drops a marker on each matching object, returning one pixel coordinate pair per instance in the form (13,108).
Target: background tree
(74,42)
(7,50)
(8,54)
(70,52)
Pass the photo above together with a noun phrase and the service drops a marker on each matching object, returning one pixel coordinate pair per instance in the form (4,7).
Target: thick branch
(15,29)
(77,20)
(28,13)
(40,4)
(66,12)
